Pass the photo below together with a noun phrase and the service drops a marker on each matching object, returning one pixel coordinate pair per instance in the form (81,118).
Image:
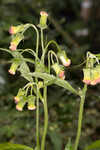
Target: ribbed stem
(80,117)
(45,119)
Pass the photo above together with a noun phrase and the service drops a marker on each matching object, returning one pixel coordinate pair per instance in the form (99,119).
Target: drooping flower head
(21,104)
(16,29)
(19,96)
(59,71)
(87,76)
(31,102)
(15,41)
(64,59)
(14,67)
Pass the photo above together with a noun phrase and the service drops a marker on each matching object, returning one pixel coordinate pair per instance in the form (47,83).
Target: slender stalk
(37,121)
(80,117)
(42,44)
(45,119)
(53,42)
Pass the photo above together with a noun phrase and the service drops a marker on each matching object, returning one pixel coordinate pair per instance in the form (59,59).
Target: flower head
(43,20)
(59,71)
(14,67)
(64,59)
(19,95)
(31,102)
(21,103)
(15,41)
(16,29)
(87,76)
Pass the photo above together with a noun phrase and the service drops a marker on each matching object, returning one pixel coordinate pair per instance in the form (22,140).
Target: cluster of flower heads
(92,71)
(21,99)
(17,36)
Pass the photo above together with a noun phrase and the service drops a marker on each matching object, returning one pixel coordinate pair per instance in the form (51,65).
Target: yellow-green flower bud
(59,71)
(43,20)
(31,102)
(87,76)
(16,29)
(21,104)
(15,41)
(40,84)
(14,67)
(19,96)
(64,59)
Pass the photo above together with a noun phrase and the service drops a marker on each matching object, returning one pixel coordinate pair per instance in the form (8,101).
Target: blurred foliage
(66,27)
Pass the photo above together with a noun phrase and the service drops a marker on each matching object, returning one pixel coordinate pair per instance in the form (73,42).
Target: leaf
(57,81)
(94,146)
(24,69)
(10,146)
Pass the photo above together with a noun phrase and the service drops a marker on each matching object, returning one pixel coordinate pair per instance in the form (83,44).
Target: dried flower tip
(87,81)
(19,108)
(62,75)
(16,99)
(12,46)
(31,107)
(43,13)
(11,72)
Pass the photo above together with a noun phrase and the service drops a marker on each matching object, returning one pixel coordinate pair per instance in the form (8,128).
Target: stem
(45,119)
(37,121)
(53,42)
(37,33)
(80,117)
(42,44)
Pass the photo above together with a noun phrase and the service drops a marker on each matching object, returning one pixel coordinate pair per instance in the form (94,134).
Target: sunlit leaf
(10,146)
(94,146)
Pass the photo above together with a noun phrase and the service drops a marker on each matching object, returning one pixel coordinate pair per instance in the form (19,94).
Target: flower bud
(15,41)
(40,84)
(87,76)
(21,104)
(64,59)
(14,67)
(31,102)
(16,29)
(59,71)
(19,96)
(43,20)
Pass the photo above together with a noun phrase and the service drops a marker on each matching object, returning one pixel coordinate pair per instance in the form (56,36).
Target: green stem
(37,33)
(42,44)
(37,121)
(53,42)
(45,119)
(80,117)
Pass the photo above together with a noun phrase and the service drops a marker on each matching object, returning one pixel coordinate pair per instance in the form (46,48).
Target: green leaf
(24,69)
(94,146)
(57,81)
(10,146)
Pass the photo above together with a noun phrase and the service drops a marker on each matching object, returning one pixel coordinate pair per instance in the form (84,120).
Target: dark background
(76,30)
